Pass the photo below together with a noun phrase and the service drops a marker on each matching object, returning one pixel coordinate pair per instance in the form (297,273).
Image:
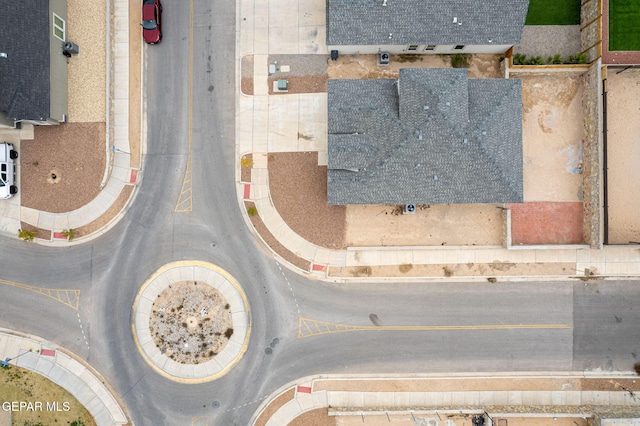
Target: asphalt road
(600,323)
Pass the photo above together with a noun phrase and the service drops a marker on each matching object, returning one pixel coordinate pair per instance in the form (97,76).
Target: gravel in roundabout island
(191,321)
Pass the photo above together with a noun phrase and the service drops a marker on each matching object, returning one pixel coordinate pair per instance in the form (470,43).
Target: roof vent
(426,107)
(409,208)
(384,2)
(455,19)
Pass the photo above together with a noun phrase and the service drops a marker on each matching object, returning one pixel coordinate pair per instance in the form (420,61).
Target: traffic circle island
(191,321)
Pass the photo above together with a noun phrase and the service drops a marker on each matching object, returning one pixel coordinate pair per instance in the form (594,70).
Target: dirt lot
(623,155)
(553,135)
(435,225)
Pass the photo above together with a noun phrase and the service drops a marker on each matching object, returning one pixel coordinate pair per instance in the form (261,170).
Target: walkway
(81,381)
(552,393)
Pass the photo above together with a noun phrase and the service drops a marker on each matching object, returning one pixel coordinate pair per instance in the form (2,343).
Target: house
(33,66)
(424,26)
(433,136)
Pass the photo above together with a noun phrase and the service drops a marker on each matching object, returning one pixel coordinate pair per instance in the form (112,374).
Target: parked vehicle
(151,30)
(8,156)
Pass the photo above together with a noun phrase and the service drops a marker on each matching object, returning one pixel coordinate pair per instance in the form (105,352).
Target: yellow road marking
(200,421)
(67,297)
(310,327)
(185,199)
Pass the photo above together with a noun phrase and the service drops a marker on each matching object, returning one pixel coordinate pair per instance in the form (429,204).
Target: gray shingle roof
(24,74)
(438,138)
(368,22)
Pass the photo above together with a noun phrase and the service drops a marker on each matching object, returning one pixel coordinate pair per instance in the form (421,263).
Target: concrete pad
(312,122)
(44,366)
(445,399)
(338,398)
(305,402)
(283,123)
(29,215)
(312,39)
(515,397)
(284,39)
(186,273)
(355,399)
(622,268)
(320,399)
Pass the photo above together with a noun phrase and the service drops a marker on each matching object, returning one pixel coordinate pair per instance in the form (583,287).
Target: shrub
(69,233)
(636,367)
(246,161)
(252,211)
(460,60)
(555,59)
(228,333)
(26,235)
(578,58)
(519,59)
(535,60)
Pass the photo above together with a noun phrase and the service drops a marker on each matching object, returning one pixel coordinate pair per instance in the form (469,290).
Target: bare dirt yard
(430,225)
(553,135)
(623,155)
(367,66)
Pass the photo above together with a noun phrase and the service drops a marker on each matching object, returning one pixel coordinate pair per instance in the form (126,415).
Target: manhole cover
(215,404)
(268,351)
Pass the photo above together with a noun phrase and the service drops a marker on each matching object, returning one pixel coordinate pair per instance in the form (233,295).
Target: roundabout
(191,321)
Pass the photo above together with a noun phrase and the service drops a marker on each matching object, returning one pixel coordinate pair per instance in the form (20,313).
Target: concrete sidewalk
(344,397)
(66,371)
(267,124)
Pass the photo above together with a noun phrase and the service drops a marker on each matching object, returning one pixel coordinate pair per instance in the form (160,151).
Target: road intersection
(186,208)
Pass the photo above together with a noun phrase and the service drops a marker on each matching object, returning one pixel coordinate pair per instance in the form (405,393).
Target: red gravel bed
(298,189)
(75,153)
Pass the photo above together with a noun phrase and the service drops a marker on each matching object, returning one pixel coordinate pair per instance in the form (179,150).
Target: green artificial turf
(554,12)
(624,25)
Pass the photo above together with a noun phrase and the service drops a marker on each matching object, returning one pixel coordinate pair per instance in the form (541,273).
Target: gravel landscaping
(298,189)
(75,154)
(191,322)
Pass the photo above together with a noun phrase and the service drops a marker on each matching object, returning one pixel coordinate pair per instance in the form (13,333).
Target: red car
(151,10)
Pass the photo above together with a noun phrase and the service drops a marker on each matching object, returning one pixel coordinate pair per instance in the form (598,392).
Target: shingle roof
(369,22)
(438,138)
(24,73)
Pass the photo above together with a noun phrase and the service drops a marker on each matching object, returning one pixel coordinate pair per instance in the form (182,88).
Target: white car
(7,170)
